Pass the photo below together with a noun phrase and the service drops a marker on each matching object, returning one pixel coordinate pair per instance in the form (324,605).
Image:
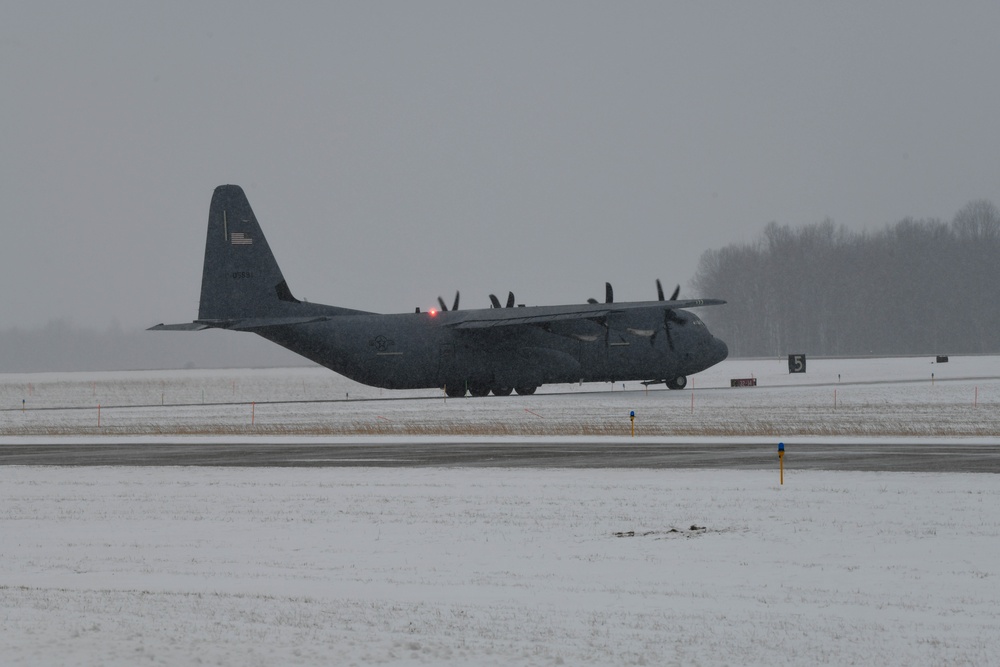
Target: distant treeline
(914,287)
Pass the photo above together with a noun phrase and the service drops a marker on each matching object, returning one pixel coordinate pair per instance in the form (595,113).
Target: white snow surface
(178,566)
(898,397)
(475,566)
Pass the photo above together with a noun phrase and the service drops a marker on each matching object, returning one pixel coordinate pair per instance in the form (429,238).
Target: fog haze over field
(394,151)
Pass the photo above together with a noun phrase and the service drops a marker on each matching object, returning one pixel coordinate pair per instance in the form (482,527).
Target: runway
(540,453)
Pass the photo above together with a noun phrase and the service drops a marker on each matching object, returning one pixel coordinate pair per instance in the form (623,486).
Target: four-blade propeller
(669,316)
(659,291)
(609,295)
(496,302)
(444,306)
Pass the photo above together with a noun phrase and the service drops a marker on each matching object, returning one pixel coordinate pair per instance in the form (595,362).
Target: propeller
(670,316)
(659,291)
(444,306)
(496,302)
(609,295)
(668,313)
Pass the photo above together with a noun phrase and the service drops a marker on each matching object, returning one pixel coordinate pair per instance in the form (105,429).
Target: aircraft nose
(720,349)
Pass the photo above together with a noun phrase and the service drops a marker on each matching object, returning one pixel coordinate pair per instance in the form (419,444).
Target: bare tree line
(913,287)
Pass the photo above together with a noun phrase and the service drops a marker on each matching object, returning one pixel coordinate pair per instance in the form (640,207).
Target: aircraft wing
(538,315)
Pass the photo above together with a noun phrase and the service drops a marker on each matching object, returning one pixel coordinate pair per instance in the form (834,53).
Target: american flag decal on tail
(239,238)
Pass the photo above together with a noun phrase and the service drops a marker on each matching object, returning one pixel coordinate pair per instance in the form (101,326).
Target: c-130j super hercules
(498,349)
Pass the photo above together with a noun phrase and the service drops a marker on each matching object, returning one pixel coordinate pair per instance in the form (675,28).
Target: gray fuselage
(422,350)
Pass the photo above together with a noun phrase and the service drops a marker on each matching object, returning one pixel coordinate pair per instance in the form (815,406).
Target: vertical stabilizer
(241,278)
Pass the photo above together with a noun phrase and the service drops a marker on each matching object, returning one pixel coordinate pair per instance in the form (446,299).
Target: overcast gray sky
(395,151)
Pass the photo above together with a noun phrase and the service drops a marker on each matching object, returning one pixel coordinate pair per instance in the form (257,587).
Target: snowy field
(837,397)
(337,566)
(470,566)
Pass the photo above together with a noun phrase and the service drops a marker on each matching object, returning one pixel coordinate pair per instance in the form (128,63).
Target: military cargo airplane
(497,349)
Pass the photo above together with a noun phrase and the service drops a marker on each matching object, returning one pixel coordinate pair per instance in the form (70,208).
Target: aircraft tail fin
(241,278)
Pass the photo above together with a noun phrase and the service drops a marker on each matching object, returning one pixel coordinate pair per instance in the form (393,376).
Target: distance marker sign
(796,363)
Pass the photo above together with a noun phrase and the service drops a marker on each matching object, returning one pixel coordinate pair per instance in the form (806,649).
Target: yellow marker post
(631,416)
(781,460)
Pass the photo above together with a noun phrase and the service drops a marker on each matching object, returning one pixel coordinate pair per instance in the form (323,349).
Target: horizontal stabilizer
(249,324)
(186,326)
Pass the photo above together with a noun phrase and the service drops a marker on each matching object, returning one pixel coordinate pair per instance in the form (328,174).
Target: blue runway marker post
(781,460)
(631,416)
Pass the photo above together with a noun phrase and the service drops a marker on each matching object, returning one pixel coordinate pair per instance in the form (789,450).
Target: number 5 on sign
(796,363)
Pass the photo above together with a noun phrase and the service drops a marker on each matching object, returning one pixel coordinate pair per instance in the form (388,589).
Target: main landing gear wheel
(502,391)
(455,392)
(525,391)
(479,389)
(678,382)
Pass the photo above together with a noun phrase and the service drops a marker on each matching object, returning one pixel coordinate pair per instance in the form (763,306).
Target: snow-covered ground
(336,566)
(839,397)
(423,566)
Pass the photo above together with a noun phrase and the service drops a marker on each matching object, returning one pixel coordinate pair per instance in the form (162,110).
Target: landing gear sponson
(484,390)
